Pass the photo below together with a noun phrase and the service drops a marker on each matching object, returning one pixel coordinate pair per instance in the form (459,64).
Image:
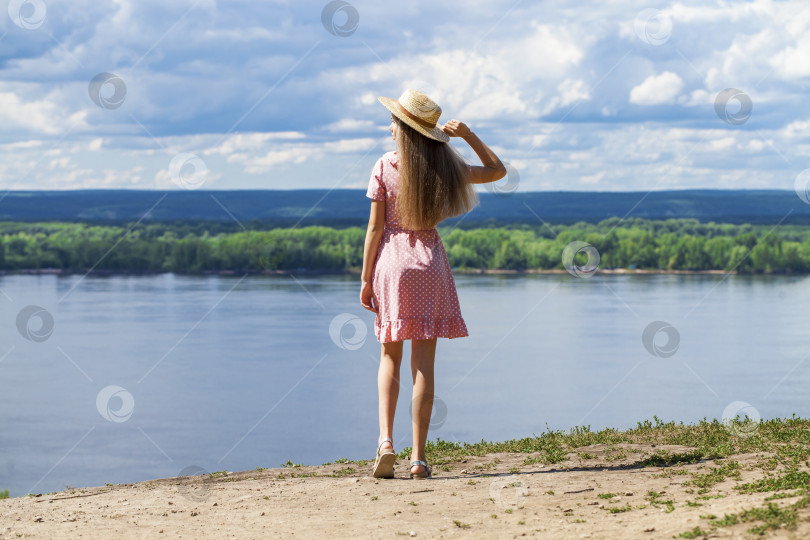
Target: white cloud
(299,153)
(593,178)
(347,146)
(508,77)
(350,124)
(755,145)
(250,141)
(722,144)
(699,98)
(61,163)
(798,128)
(539,140)
(793,62)
(38,116)
(569,91)
(263,164)
(20,145)
(657,89)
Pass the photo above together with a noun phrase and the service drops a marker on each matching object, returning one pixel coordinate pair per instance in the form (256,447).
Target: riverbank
(200,247)
(659,480)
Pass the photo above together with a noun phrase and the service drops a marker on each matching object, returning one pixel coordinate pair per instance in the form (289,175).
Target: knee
(423,370)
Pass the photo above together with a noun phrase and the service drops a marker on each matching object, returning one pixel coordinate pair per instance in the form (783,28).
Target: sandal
(384,464)
(423,474)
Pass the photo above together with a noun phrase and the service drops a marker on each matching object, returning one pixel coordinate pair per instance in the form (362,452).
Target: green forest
(674,244)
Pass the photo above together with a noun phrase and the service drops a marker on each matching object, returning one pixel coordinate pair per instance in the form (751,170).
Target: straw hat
(418,111)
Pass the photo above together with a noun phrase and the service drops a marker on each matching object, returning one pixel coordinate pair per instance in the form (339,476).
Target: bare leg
(423,354)
(388,387)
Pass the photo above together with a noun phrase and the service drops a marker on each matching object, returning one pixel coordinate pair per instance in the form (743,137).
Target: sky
(593,96)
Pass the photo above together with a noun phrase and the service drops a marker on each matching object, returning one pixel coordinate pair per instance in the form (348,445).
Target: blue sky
(606,96)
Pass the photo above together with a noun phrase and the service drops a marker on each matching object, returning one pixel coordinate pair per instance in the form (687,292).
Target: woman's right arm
(492,169)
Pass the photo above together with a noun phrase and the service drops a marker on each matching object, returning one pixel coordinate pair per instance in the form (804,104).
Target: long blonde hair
(433,180)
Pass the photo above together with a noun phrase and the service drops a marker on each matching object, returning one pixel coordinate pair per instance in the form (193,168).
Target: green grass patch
(766,518)
(787,495)
(707,497)
(304,475)
(342,472)
(655,500)
(773,516)
(620,509)
(790,480)
(729,469)
(789,437)
(665,458)
(697,532)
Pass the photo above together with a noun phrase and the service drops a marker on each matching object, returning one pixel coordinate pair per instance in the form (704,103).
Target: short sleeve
(376,187)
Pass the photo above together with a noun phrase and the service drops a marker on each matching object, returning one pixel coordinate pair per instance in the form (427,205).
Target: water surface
(239,372)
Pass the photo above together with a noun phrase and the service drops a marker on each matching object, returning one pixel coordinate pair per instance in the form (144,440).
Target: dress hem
(401,329)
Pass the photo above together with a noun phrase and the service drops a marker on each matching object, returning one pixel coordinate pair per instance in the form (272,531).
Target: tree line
(675,244)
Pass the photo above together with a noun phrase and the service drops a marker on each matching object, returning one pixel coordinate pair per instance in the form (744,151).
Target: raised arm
(492,169)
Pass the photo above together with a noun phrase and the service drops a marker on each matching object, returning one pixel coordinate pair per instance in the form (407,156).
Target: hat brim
(393,105)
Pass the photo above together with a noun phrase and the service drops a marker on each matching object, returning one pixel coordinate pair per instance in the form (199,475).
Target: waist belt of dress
(402,229)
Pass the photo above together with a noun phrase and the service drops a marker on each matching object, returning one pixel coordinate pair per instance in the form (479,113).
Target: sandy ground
(543,501)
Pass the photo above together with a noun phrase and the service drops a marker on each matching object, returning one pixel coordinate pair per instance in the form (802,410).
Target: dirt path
(543,501)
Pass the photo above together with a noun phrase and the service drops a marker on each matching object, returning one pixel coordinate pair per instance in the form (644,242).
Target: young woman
(406,278)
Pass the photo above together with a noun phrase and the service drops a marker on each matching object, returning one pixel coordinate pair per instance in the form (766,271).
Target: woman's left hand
(366,296)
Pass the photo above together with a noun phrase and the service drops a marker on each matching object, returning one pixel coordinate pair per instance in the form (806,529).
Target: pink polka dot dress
(412,283)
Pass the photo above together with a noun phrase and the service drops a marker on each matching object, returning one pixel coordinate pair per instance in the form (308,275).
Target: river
(117,379)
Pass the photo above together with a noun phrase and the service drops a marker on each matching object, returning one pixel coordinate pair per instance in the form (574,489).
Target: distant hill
(342,207)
